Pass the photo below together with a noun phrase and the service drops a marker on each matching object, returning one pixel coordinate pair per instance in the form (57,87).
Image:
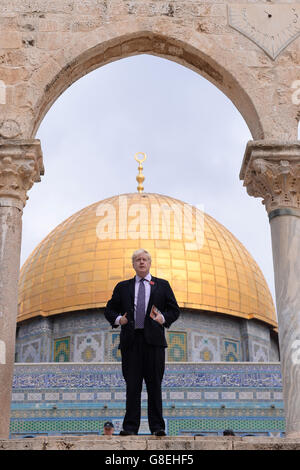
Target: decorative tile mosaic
(89,347)
(92,340)
(31,351)
(260,352)
(231,350)
(75,398)
(61,350)
(213,425)
(177,346)
(205,348)
(101,376)
(114,351)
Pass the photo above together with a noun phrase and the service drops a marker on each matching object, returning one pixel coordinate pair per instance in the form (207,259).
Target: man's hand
(123,319)
(157,316)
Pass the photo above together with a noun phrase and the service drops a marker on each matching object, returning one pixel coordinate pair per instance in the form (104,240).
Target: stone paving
(151,443)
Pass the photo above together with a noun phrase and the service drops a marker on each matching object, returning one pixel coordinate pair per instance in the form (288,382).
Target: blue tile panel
(70,375)
(198,397)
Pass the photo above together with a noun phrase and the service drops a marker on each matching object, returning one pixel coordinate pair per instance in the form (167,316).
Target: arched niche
(56,82)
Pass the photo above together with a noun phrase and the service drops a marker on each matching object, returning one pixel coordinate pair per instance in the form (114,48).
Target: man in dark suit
(144,306)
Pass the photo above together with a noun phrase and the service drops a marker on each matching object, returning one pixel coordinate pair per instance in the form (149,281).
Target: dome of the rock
(74,269)
(70,276)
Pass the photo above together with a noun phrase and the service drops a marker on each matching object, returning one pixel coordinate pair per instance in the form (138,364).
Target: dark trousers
(140,362)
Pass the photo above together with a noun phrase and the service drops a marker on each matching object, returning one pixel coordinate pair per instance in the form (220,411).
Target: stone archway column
(271,170)
(20,166)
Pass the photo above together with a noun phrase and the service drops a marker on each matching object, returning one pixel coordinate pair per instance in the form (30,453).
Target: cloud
(193,135)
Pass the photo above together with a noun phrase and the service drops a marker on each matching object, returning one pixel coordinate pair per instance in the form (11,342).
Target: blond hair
(139,252)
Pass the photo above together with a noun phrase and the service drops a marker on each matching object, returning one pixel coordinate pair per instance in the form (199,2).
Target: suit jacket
(122,301)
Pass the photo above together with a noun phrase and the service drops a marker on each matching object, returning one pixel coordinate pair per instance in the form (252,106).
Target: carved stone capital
(271,170)
(21,165)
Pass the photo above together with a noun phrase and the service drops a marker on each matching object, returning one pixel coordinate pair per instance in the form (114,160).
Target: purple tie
(140,306)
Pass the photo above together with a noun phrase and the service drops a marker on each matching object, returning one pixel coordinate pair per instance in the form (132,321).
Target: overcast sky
(193,135)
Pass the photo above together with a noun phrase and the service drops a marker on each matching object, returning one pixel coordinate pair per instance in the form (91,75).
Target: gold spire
(140,177)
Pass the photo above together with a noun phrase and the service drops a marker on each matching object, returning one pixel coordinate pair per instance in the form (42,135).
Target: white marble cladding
(51,396)
(18,397)
(176,395)
(86,396)
(228,395)
(278,396)
(69,396)
(211,337)
(34,397)
(104,396)
(263,395)
(255,329)
(120,395)
(246,395)
(194,395)
(211,395)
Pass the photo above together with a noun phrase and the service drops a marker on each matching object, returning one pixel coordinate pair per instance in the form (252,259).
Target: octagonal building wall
(85,336)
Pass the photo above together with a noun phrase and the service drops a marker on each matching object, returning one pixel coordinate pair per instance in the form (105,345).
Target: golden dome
(78,264)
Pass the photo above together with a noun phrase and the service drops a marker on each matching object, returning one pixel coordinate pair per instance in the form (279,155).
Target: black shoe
(159,432)
(127,433)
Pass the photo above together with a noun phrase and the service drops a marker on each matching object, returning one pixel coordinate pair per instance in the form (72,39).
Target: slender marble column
(20,166)
(10,245)
(271,170)
(286,255)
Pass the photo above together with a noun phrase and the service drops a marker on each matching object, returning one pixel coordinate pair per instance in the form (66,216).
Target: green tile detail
(61,350)
(177,346)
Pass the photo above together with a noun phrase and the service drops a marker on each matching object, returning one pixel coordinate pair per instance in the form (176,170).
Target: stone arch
(94,54)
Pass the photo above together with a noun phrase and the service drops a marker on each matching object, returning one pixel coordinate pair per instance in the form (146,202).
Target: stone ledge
(117,443)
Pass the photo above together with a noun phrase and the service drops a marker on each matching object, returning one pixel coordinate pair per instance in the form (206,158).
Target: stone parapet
(117,444)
